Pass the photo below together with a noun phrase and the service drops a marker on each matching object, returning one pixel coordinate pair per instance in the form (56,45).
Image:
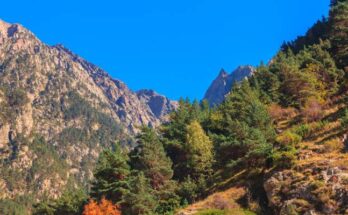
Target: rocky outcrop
(315,189)
(223,84)
(159,105)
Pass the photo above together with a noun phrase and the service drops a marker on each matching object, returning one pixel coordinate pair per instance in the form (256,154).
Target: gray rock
(223,84)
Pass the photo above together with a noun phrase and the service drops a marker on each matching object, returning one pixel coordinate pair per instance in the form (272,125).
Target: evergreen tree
(70,203)
(149,157)
(111,174)
(242,129)
(139,200)
(339,33)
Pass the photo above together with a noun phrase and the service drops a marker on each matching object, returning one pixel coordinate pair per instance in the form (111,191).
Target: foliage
(199,149)
(76,107)
(111,175)
(139,200)
(288,139)
(333,145)
(278,113)
(174,134)
(339,32)
(105,207)
(312,110)
(70,203)
(12,207)
(285,158)
(242,129)
(344,119)
(190,190)
(150,157)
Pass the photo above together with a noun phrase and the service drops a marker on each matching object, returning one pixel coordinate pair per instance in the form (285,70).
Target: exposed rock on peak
(223,84)
(160,105)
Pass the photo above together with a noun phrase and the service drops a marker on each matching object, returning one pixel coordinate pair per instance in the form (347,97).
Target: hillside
(315,182)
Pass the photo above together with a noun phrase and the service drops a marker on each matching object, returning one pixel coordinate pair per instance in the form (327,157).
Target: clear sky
(175,47)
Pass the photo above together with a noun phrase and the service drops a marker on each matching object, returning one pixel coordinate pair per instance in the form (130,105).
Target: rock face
(57,112)
(223,84)
(160,106)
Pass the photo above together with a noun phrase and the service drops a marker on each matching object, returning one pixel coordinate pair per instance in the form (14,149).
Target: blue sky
(175,47)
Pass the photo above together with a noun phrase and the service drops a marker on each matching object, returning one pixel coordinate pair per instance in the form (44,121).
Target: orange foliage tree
(105,207)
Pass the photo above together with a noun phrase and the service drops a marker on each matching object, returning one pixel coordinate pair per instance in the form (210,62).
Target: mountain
(58,112)
(223,84)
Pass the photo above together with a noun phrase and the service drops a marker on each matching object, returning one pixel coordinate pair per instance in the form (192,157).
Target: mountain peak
(222,85)
(9,30)
(223,73)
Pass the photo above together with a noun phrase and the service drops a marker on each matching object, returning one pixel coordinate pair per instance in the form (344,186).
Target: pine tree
(242,129)
(139,200)
(339,33)
(111,175)
(149,157)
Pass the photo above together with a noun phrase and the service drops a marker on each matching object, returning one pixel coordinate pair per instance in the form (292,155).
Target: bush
(278,113)
(285,159)
(303,130)
(344,118)
(333,145)
(12,207)
(312,111)
(188,190)
(288,139)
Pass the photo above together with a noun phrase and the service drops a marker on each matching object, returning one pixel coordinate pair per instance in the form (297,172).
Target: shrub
(333,145)
(12,207)
(288,138)
(312,111)
(344,118)
(303,130)
(285,159)
(188,190)
(278,113)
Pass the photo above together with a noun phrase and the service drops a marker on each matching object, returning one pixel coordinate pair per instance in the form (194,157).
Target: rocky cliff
(223,84)
(57,112)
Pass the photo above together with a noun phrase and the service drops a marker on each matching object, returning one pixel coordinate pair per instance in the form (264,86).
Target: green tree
(149,156)
(70,203)
(139,200)
(339,33)
(242,129)
(111,175)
